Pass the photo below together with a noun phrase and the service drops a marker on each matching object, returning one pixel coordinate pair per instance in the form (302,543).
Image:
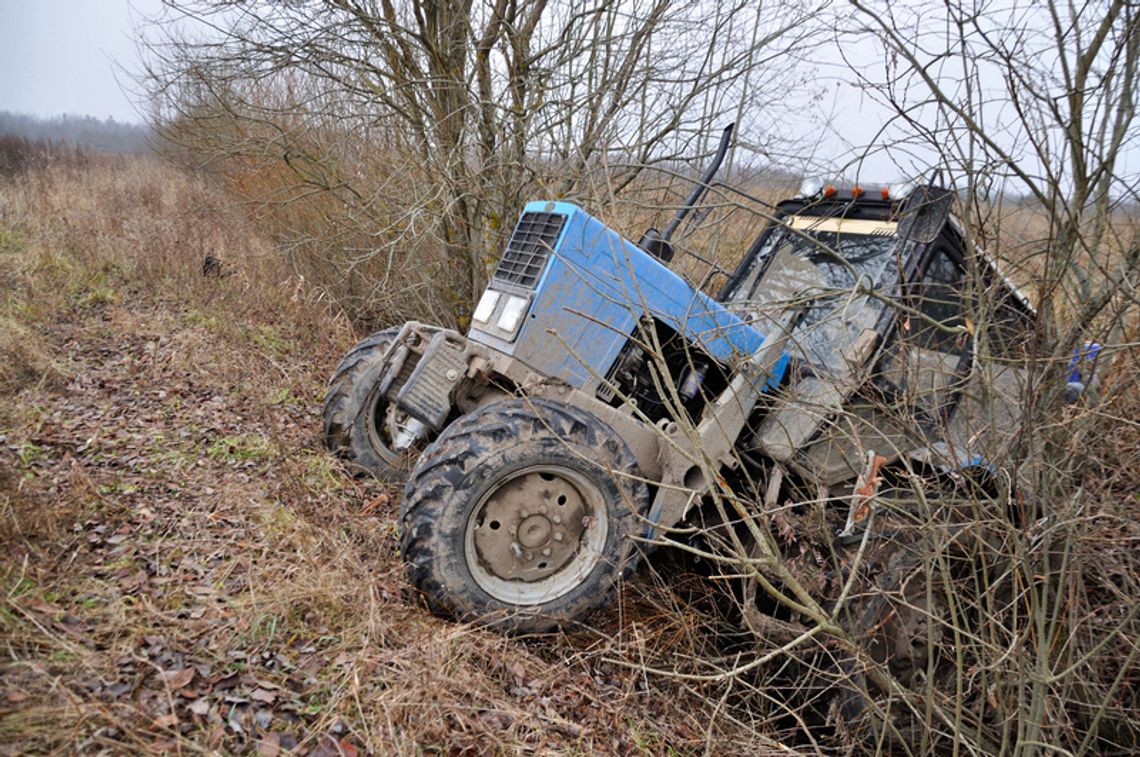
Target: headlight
(486,306)
(810,187)
(512,314)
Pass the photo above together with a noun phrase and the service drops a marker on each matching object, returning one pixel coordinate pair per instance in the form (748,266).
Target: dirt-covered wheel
(900,624)
(360,424)
(522,515)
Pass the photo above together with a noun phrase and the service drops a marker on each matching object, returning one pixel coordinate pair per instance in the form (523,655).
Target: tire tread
(446,462)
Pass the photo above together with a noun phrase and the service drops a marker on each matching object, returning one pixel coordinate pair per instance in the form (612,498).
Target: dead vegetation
(185,570)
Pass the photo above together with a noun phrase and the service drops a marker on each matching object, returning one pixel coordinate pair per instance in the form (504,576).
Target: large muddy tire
(356,416)
(900,624)
(522,515)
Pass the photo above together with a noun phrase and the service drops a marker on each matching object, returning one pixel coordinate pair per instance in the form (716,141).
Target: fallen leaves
(374,504)
(202,574)
(165,721)
(328,746)
(270,745)
(178,679)
(262,695)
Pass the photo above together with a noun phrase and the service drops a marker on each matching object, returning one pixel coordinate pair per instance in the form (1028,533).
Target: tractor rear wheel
(359,421)
(522,515)
(901,624)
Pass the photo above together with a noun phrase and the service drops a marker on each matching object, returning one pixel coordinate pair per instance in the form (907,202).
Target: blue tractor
(599,401)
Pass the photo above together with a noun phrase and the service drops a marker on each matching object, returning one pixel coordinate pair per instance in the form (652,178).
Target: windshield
(818,264)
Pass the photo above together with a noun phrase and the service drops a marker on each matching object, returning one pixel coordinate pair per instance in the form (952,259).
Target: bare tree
(1028,112)
(472,107)
(983,607)
(1035,100)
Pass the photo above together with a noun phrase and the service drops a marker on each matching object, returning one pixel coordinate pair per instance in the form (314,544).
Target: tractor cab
(876,282)
(886,295)
(827,260)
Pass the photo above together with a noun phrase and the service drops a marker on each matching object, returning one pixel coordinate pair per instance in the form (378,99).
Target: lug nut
(546,552)
(557,519)
(558,536)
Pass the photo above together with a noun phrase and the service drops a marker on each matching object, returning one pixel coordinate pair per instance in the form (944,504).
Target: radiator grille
(530,246)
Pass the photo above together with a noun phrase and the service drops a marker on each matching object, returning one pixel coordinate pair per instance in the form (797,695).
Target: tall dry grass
(178,411)
(353,213)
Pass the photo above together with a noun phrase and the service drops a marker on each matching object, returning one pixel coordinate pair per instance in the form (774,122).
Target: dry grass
(185,570)
(23,358)
(332,205)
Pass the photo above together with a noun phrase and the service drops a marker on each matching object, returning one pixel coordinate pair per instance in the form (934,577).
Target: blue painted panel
(1084,359)
(591,294)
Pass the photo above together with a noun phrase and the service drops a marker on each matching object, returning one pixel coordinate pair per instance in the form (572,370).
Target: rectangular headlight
(486,306)
(512,313)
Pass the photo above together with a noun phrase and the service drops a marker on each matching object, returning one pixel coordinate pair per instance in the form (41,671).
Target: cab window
(938,298)
(822,266)
(923,359)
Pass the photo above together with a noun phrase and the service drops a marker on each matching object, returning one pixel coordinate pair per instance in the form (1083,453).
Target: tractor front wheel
(523,515)
(361,426)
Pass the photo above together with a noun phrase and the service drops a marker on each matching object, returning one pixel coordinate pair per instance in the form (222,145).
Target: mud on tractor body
(599,401)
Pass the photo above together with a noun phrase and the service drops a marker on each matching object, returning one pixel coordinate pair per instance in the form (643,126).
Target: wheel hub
(535,531)
(531,526)
(915,628)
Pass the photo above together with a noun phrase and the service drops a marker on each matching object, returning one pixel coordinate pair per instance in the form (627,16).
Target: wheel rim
(912,624)
(377,413)
(384,421)
(536,535)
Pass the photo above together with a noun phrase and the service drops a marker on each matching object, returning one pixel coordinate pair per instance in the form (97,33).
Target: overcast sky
(58,56)
(73,56)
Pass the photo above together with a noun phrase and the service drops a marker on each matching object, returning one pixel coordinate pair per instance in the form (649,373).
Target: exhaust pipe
(657,243)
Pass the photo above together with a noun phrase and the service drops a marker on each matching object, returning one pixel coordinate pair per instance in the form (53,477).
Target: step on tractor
(600,401)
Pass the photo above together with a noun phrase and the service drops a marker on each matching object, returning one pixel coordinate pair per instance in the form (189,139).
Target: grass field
(186,570)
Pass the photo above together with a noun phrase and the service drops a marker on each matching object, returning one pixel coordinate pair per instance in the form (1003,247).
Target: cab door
(926,360)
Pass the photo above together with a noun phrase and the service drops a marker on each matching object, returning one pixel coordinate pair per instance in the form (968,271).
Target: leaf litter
(193,572)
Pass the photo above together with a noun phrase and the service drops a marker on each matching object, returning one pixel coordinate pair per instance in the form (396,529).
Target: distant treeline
(86,132)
